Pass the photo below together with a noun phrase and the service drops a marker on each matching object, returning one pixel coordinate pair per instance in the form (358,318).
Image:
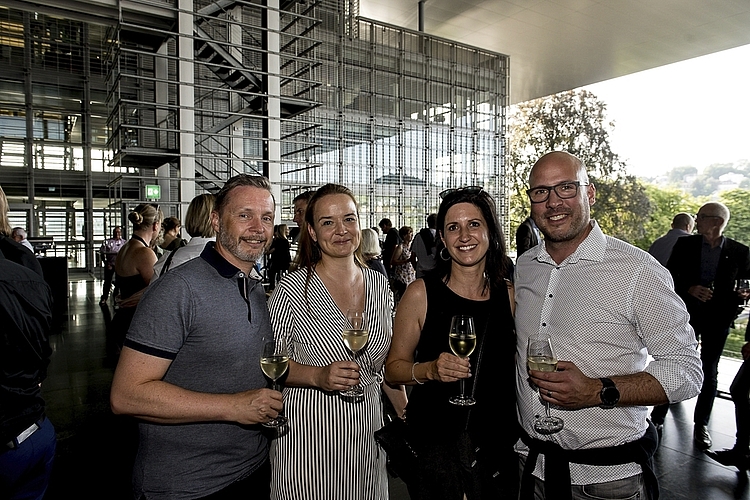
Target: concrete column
(272,86)
(186,77)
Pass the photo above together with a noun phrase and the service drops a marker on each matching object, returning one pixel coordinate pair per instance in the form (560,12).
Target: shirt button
(544,324)
(550,296)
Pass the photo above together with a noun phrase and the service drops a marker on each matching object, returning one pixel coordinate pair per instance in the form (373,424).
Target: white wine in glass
(541,357)
(462,340)
(274,361)
(355,337)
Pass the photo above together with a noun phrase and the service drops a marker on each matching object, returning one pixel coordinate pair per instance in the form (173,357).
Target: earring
(445,256)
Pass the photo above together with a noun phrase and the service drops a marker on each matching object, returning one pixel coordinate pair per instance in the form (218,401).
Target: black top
(280,255)
(15,252)
(493,419)
(26,319)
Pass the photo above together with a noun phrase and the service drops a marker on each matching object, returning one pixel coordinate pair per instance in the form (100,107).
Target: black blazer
(525,237)
(685,266)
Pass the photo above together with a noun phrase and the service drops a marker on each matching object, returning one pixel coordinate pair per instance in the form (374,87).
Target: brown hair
(5,228)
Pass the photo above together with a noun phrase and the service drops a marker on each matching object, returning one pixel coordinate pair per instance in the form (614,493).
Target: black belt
(24,435)
(557,470)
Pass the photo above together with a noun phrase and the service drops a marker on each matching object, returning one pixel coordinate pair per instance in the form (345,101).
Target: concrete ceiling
(557,45)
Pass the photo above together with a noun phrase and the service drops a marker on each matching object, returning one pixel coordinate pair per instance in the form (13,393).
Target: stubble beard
(233,246)
(578,223)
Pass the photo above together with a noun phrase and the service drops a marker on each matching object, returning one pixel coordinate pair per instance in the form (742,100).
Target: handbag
(393,437)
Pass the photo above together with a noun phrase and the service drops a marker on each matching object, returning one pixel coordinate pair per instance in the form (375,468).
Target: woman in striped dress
(327,450)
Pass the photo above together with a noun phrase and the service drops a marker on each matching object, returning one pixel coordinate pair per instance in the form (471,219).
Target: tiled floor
(95,448)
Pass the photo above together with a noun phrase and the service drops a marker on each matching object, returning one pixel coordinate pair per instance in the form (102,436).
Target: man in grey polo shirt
(190,366)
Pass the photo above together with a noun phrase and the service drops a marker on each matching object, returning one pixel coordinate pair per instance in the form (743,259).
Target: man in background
(424,247)
(300,207)
(661,248)
(27,437)
(704,267)
(19,234)
(108,251)
(391,240)
(527,236)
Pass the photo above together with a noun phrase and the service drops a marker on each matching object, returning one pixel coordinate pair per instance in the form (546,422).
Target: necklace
(136,237)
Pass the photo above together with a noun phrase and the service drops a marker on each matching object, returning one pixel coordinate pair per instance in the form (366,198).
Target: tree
(665,204)
(575,121)
(738,203)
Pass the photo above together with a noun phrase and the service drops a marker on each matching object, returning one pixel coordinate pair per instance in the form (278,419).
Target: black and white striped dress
(327,450)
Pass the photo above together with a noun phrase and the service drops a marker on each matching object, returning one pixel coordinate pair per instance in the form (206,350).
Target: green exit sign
(153,192)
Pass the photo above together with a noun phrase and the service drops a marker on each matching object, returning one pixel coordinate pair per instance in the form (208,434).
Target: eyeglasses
(704,216)
(564,190)
(467,189)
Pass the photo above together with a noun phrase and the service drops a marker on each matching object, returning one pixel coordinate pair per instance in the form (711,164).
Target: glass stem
(463,386)
(546,407)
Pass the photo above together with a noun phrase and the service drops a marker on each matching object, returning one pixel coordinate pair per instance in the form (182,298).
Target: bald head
(559,159)
(683,221)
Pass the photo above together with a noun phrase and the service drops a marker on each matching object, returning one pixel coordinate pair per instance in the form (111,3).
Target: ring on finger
(549,394)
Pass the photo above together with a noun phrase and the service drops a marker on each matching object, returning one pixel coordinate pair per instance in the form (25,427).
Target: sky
(695,112)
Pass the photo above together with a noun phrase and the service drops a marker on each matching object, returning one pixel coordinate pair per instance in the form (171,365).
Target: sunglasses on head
(467,189)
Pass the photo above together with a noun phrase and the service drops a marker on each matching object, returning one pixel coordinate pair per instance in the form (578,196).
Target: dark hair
(240,180)
(385,222)
(496,267)
(170,223)
(431,221)
(404,231)
(305,195)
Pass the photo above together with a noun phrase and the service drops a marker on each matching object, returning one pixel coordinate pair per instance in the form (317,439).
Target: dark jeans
(25,470)
(107,286)
(740,391)
(712,344)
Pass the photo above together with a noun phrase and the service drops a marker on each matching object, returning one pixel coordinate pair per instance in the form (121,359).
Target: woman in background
(329,450)
(371,250)
(198,226)
(134,266)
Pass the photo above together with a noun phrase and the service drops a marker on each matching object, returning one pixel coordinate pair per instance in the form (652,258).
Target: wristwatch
(609,395)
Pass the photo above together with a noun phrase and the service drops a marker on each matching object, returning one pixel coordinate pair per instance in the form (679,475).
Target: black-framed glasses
(564,190)
(704,216)
(467,189)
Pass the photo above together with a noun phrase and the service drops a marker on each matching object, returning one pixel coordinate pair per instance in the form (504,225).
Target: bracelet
(412,374)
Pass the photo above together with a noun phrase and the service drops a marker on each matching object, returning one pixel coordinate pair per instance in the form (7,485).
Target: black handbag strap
(168,261)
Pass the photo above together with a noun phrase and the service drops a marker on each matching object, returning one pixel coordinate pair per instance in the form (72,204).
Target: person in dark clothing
(280,255)
(392,240)
(527,235)
(704,268)
(28,438)
(10,248)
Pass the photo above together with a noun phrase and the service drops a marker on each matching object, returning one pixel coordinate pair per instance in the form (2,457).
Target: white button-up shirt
(607,307)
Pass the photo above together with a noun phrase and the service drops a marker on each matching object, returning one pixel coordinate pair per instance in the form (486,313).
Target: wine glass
(274,361)
(462,339)
(355,337)
(541,357)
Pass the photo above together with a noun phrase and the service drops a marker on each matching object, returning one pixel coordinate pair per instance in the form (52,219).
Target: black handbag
(393,437)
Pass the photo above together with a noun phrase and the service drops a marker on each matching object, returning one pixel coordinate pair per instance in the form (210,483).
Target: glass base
(462,400)
(276,422)
(353,392)
(548,425)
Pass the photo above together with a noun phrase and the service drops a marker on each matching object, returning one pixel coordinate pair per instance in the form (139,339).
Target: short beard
(233,247)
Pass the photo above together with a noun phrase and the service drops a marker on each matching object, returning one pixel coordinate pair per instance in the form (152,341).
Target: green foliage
(665,204)
(575,121)
(738,202)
